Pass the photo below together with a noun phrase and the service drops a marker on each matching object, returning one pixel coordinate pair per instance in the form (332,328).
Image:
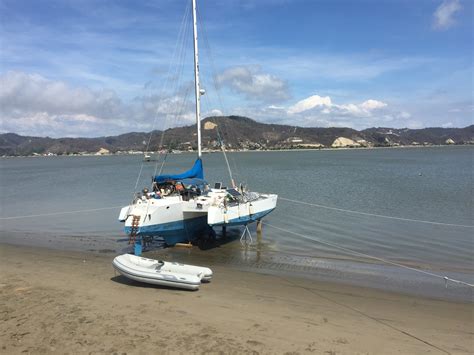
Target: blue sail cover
(195,172)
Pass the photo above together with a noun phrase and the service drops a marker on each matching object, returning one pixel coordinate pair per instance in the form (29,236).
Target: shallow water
(433,184)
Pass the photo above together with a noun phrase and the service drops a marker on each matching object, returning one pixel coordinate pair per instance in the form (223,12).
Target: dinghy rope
(350,251)
(375,215)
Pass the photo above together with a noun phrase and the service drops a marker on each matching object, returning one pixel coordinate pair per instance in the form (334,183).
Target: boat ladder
(133,232)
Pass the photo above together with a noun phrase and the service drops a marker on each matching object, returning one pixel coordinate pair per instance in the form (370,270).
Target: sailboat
(184,207)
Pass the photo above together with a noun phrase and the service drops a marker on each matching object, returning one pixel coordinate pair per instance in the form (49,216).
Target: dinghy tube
(162,273)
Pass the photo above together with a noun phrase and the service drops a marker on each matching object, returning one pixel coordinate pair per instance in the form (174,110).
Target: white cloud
(74,125)
(31,104)
(275,107)
(444,14)
(309,103)
(213,112)
(22,93)
(322,111)
(372,105)
(351,110)
(326,106)
(254,84)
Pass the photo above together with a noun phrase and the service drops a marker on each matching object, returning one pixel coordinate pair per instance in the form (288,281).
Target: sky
(100,67)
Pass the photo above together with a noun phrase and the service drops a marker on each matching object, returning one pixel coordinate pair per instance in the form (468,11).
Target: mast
(196,80)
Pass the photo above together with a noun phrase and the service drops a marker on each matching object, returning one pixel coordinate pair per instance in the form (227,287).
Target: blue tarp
(195,172)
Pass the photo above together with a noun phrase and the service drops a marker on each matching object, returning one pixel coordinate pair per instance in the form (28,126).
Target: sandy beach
(70,302)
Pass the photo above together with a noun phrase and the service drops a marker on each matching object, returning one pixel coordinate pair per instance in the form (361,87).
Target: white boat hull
(176,220)
(204,273)
(165,218)
(179,213)
(161,272)
(242,213)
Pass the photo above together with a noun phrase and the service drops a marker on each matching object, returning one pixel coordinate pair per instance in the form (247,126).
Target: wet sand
(72,302)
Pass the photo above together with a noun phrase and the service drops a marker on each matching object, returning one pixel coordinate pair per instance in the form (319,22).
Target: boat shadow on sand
(126,281)
(120,279)
(219,239)
(206,243)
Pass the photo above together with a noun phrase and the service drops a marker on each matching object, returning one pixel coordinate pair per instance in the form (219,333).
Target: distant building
(449,141)
(103,151)
(311,145)
(363,142)
(296,140)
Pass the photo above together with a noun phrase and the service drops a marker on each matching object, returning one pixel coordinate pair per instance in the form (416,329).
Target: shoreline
(243,151)
(341,269)
(62,301)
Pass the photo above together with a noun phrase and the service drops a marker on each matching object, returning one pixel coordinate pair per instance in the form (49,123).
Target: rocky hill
(237,133)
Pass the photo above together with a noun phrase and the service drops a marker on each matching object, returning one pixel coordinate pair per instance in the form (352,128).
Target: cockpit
(186,188)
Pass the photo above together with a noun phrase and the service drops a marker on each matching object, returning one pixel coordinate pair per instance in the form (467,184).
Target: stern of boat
(242,213)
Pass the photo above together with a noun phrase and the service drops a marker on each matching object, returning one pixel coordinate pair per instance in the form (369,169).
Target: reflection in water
(259,241)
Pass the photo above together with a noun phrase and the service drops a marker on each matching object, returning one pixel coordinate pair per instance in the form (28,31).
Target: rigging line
(176,120)
(175,52)
(162,164)
(180,54)
(219,98)
(60,213)
(222,145)
(178,114)
(376,215)
(138,179)
(376,319)
(173,118)
(350,251)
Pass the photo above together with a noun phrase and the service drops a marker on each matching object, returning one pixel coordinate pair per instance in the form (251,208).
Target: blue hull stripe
(174,232)
(190,229)
(244,220)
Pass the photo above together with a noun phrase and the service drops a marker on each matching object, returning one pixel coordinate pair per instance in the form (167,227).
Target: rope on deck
(350,251)
(375,215)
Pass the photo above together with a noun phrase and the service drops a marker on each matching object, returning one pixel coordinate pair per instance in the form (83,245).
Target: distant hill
(237,133)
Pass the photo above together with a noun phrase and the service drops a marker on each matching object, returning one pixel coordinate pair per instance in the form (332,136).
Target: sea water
(325,240)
